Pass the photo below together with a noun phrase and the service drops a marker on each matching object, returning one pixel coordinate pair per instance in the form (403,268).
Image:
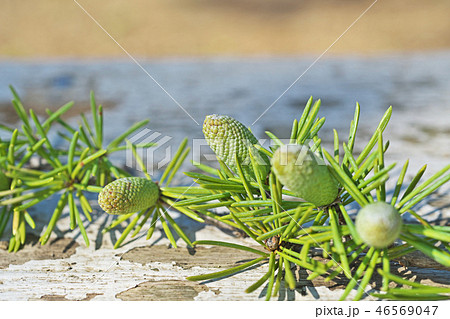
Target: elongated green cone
(305,174)
(228,137)
(128,195)
(378,224)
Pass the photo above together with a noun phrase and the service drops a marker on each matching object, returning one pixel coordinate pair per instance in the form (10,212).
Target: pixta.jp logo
(155,157)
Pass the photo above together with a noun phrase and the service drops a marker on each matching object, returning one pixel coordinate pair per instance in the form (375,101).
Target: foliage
(288,229)
(69,172)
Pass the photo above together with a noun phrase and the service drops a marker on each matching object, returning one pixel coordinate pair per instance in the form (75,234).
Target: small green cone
(378,224)
(305,174)
(227,137)
(128,195)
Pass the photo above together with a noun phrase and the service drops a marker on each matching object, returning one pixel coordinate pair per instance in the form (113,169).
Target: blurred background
(161,28)
(177,61)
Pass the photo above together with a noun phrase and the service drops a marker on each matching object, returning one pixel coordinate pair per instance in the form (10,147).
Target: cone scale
(128,195)
(228,138)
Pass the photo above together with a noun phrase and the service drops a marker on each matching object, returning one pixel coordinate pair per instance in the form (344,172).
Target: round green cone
(305,174)
(128,195)
(378,224)
(227,137)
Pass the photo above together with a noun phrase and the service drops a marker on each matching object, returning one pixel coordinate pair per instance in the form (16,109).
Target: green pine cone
(305,174)
(128,195)
(378,224)
(228,137)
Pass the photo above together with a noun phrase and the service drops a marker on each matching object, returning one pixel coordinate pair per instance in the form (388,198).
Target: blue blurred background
(237,58)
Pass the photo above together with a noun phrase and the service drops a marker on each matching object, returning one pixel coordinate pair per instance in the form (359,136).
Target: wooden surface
(65,269)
